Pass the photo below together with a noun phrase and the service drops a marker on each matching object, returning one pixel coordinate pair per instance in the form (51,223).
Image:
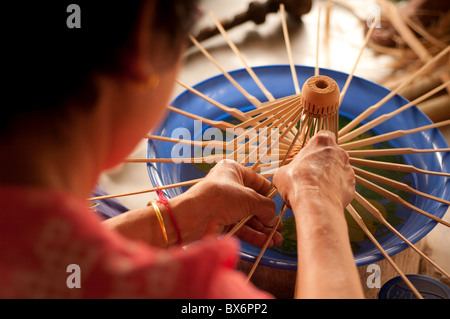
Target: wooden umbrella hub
(320,96)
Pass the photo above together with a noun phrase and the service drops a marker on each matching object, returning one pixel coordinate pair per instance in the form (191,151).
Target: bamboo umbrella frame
(296,118)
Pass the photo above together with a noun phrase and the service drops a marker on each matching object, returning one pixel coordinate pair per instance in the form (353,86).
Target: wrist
(185,210)
(319,220)
(173,220)
(315,200)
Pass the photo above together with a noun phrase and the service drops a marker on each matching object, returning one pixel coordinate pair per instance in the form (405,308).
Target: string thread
(163,200)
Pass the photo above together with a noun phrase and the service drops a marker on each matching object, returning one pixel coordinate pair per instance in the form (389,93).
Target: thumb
(265,210)
(213,228)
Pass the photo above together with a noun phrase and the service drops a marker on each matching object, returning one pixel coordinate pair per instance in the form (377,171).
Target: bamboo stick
(232,111)
(271,104)
(189,160)
(316,69)
(288,117)
(239,55)
(285,107)
(289,101)
(326,38)
(380,103)
(437,109)
(394,167)
(422,85)
(153,189)
(394,151)
(395,17)
(215,144)
(299,117)
(210,144)
(385,117)
(272,190)
(375,212)
(288,49)
(247,120)
(225,125)
(262,157)
(350,76)
(397,185)
(299,134)
(245,146)
(405,32)
(424,33)
(390,136)
(266,244)
(397,199)
(222,125)
(252,99)
(273,111)
(363,226)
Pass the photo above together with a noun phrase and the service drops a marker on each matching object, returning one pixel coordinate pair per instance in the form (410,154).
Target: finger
(258,238)
(323,140)
(254,181)
(325,135)
(256,224)
(213,228)
(277,238)
(224,167)
(241,174)
(264,210)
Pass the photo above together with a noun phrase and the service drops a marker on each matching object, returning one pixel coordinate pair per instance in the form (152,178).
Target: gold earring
(152,82)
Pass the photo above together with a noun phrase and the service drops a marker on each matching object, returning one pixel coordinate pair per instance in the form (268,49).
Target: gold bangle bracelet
(161,222)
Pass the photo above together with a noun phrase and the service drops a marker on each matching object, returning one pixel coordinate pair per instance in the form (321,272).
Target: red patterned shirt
(53,246)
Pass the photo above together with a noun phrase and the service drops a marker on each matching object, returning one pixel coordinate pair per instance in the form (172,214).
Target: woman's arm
(228,194)
(318,184)
(325,259)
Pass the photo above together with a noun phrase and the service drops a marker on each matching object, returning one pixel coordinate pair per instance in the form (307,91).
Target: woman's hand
(229,193)
(321,169)
(318,184)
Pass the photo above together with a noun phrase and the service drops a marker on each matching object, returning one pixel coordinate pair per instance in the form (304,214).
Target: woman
(98,89)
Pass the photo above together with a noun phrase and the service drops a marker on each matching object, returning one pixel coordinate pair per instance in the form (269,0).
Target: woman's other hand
(320,169)
(228,194)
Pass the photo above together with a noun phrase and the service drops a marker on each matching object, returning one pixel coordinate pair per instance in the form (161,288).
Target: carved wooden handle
(257,12)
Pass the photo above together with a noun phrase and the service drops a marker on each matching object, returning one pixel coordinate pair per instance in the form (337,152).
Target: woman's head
(54,71)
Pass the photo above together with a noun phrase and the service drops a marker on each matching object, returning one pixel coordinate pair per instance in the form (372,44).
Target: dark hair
(48,63)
